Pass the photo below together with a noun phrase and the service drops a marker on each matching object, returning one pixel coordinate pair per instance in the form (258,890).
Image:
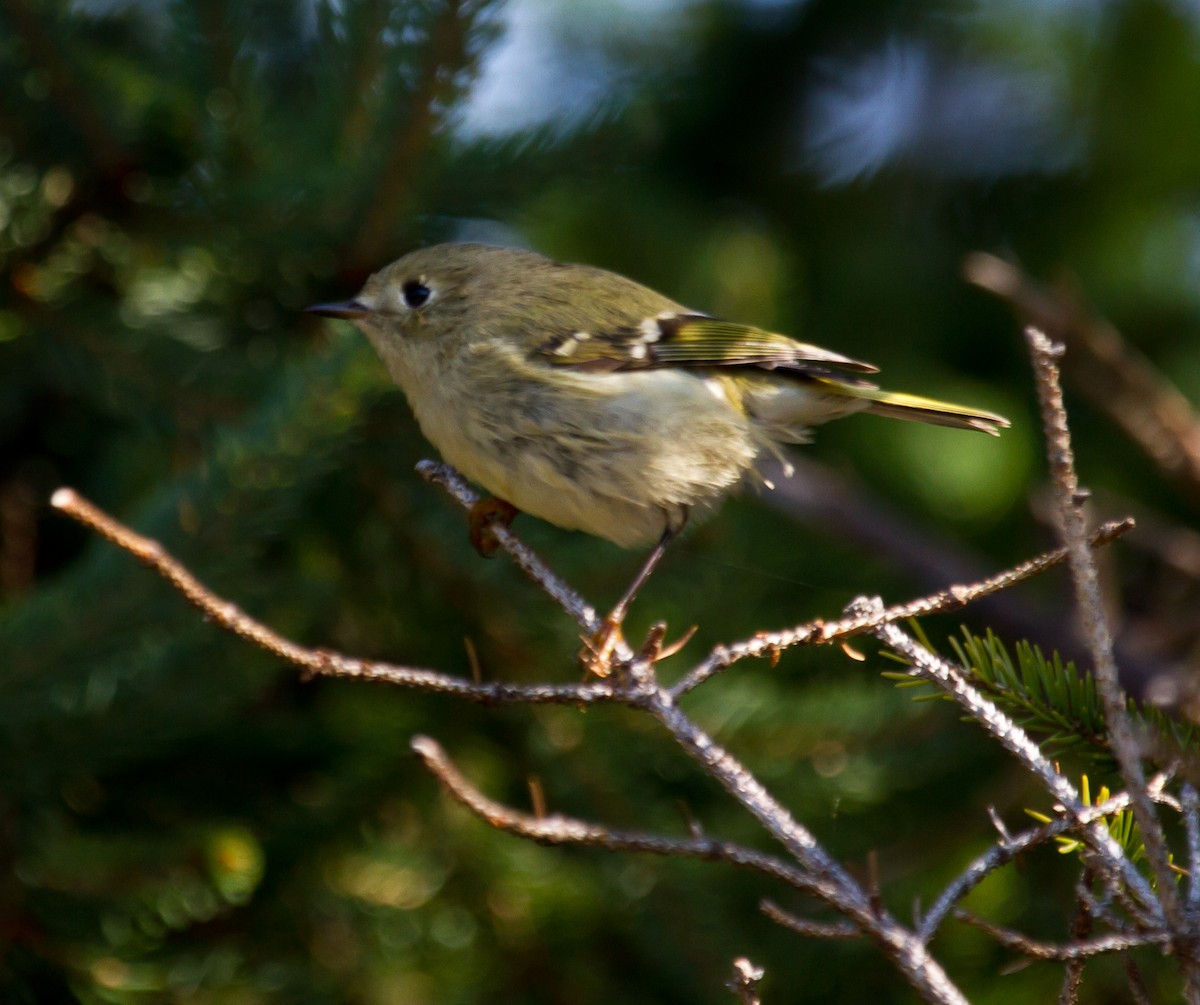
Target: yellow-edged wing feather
(696,340)
(692,340)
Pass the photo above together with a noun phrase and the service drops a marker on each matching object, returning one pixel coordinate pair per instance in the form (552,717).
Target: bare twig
(1079,950)
(1081,928)
(1133,978)
(833,502)
(821,632)
(318,662)
(819,875)
(1008,849)
(635,684)
(1091,606)
(555,828)
(584,614)
(951,679)
(998,823)
(901,946)
(811,929)
(1191,825)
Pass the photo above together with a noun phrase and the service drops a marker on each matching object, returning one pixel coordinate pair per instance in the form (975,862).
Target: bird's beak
(351,310)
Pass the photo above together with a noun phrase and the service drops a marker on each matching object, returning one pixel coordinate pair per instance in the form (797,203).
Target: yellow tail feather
(913,408)
(939,413)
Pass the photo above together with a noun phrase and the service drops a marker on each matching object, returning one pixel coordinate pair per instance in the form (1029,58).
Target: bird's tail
(913,408)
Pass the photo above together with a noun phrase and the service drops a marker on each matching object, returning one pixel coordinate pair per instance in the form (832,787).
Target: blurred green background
(183,820)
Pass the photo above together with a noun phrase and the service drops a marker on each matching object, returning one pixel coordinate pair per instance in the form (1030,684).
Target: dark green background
(183,820)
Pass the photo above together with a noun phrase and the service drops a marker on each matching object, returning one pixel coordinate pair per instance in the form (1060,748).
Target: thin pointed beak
(351,310)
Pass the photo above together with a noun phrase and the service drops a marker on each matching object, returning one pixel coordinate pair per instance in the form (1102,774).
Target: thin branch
(1101,907)
(898,944)
(633,683)
(812,929)
(1133,978)
(1008,849)
(1081,928)
(835,502)
(444,476)
(1080,950)
(1086,581)
(748,791)
(951,679)
(557,829)
(317,662)
(1191,825)
(822,632)
(819,876)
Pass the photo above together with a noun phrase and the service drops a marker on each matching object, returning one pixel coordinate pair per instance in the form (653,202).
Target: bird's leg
(483,516)
(597,651)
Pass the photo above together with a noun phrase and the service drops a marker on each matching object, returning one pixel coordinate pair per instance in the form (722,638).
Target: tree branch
(951,679)
(805,927)
(1008,849)
(1082,949)
(820,632)
(1086,580)
(584,614)
(317,662)
(557,829)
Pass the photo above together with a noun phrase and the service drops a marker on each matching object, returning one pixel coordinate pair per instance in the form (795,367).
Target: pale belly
(631,454)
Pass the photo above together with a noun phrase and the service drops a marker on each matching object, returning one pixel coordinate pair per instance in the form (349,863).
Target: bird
(593,402)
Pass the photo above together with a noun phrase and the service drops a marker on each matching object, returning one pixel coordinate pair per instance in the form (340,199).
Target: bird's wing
(684,340)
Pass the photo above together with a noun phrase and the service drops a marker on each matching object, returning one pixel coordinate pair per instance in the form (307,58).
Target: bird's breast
(618,455)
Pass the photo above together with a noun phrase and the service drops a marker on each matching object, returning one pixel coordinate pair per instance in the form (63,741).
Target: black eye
(416,293)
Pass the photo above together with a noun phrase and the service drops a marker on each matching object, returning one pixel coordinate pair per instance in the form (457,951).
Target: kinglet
(588,400)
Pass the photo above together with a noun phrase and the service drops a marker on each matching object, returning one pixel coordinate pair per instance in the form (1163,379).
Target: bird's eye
(416,293)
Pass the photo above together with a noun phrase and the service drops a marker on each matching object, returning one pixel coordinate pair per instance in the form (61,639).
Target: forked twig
(807,928)
(950,599)
(1077,950)
(1009,848)
(819,873)
(1086,580)
(953,681)
(556,829)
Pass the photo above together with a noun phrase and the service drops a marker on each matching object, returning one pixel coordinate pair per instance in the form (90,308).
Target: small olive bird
(593,402)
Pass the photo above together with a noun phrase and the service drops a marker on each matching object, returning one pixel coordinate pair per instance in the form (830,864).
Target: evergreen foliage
(1055,701)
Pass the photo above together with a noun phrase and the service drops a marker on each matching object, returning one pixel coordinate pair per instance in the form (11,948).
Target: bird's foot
(597,652)
(485,515)
(596,655)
